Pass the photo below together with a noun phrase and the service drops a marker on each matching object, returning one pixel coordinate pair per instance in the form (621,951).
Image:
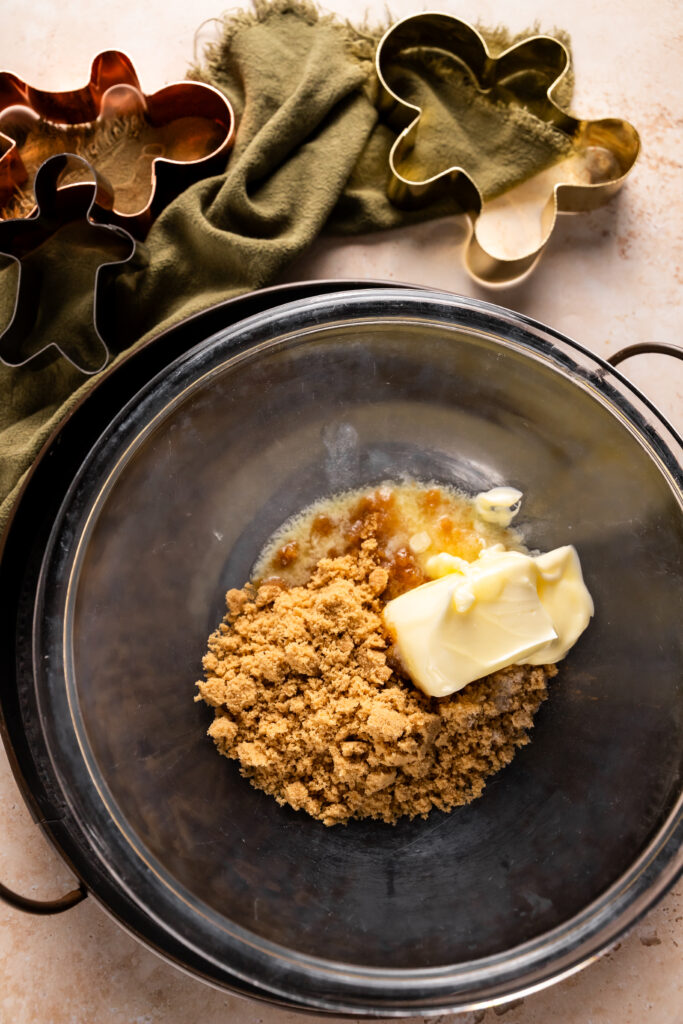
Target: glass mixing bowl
(567,846)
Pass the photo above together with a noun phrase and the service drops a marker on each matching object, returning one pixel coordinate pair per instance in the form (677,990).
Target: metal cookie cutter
(508,231)
(53,247)
(150,147)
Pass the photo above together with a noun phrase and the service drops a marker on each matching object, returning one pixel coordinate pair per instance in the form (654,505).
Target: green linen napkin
(310,153)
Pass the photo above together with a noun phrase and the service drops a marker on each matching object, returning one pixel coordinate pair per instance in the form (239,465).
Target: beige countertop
(608,279)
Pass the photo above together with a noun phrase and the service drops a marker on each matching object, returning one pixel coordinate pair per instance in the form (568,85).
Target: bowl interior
(174,510)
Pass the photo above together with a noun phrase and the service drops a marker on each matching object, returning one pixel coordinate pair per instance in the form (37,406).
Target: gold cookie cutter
(181,133)
(508,232)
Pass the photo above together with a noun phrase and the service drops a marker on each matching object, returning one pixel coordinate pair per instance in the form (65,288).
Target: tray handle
(662,348)
(29,906)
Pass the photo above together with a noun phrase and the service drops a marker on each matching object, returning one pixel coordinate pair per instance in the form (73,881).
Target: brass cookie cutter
(527,74)
(63,220)
(185,131)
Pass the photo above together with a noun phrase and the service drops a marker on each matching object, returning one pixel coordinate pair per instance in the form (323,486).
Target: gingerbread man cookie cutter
(527,75)
(184,131)
(62,220)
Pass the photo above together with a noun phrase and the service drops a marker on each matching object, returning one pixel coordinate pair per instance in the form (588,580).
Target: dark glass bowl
(567,846)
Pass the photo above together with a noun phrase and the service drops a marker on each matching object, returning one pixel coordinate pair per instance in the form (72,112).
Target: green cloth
(309,152)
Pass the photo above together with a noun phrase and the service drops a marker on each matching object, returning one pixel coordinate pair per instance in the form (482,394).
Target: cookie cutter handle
(43,907)
(646,348)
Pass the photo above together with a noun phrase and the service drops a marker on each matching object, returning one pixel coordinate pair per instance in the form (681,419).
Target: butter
(504,609)
(420,542)
(500,505)
(445,564)
(564,595)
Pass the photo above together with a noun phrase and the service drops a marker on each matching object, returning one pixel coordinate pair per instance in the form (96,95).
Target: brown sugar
(310,701)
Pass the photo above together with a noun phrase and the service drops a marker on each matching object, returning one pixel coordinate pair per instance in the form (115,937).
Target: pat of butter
(506,608)
(565,597)
(500,505)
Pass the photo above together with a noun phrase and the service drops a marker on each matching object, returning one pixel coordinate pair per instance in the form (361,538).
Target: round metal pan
(159,507)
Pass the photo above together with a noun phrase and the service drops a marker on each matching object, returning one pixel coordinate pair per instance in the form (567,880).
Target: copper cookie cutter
(185,131)
(62,219)
(527,74)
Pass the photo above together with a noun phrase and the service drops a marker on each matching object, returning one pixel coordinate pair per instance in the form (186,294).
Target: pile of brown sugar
(309,700)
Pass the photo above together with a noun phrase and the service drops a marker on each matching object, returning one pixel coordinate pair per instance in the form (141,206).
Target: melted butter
(475,618)
(414,519)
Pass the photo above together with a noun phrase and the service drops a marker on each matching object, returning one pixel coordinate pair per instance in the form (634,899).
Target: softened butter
(477,617)
(500,505)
